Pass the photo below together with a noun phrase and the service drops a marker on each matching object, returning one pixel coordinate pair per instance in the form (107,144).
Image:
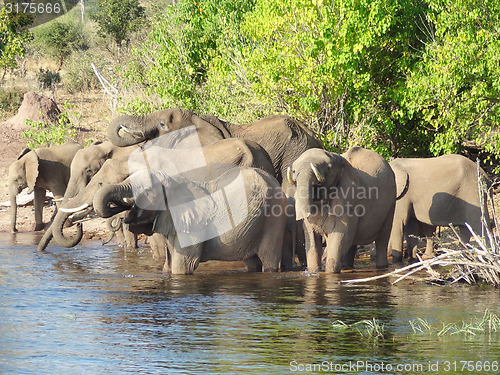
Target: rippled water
(101,310)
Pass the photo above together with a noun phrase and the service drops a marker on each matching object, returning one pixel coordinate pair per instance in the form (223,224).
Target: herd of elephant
(262,193)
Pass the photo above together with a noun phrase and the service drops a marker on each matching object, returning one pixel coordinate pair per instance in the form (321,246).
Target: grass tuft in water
(489,323)
(372,329)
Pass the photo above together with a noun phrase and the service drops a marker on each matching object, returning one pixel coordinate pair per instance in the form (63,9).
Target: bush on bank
(402,77)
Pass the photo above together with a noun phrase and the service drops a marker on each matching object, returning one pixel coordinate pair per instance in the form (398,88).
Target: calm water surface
(101,310)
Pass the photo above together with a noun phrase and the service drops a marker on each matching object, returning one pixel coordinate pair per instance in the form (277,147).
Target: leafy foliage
(401,77)
(118,18)
(10,101)
(45,135)
(455,88)
(46,78)
(58,40)
(12,37)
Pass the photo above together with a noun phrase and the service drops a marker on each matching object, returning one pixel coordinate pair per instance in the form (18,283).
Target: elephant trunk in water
(119,195)
(13,211)
(134,129)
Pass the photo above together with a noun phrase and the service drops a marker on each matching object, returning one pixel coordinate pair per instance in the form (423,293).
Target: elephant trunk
(113,199)
(44,242)
(57,230)
(303,198)
(13,212)
(127,130)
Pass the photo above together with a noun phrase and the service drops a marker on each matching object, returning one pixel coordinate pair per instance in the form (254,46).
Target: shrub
(118,18)
(58,40)
(47,79)
(45,135)
(80,76)
(10,101)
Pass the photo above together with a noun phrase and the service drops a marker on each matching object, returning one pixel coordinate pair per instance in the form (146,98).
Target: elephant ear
(193,210)
(402,180)
(31,166)
(25,151)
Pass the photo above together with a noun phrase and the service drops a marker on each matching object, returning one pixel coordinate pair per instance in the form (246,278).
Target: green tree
(339,66)
(455,87)
(118,18)
(12,39)
(174,63)
(58,40)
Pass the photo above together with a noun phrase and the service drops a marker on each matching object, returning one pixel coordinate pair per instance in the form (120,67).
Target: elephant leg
(167,266)
(348,261)
(130,238)
(396,242)
(382,242)
(39,202)
(411,233)
(335,243)
(464,233)
(428,232)
(300,245)
(183,264)
(313,248)
(254,264)
(157,244)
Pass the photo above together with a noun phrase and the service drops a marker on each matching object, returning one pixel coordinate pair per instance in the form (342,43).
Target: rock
(35,108)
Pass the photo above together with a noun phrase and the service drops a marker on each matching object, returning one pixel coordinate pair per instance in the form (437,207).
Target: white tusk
(317,174)
(128,200)
(135,133)
(58,199)
(289,176)
(81,215)
(72,210)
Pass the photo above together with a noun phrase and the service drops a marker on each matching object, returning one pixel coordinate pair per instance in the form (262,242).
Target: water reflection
(102,309)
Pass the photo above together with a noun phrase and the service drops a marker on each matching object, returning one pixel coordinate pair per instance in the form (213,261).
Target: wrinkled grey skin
(327,184)
(282,137)
(435,192)
(87,162)
(257,240)
(41,170)
(294,243)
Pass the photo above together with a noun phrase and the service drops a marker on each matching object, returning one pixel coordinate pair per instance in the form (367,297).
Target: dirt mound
(35,108)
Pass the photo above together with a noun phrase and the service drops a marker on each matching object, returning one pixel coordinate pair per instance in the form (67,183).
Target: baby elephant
(348,198)
(41,170)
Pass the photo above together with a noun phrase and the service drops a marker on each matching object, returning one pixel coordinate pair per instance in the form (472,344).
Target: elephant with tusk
(348,198)
(85,165)
(223,218)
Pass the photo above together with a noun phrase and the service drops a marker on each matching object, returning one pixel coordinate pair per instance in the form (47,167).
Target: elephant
(435,192)
(282,137)
(86,163)
(40,170)
(348,198)
(115,170)
(237,215)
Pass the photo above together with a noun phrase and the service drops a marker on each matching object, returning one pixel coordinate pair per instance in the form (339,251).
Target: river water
(101,310)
